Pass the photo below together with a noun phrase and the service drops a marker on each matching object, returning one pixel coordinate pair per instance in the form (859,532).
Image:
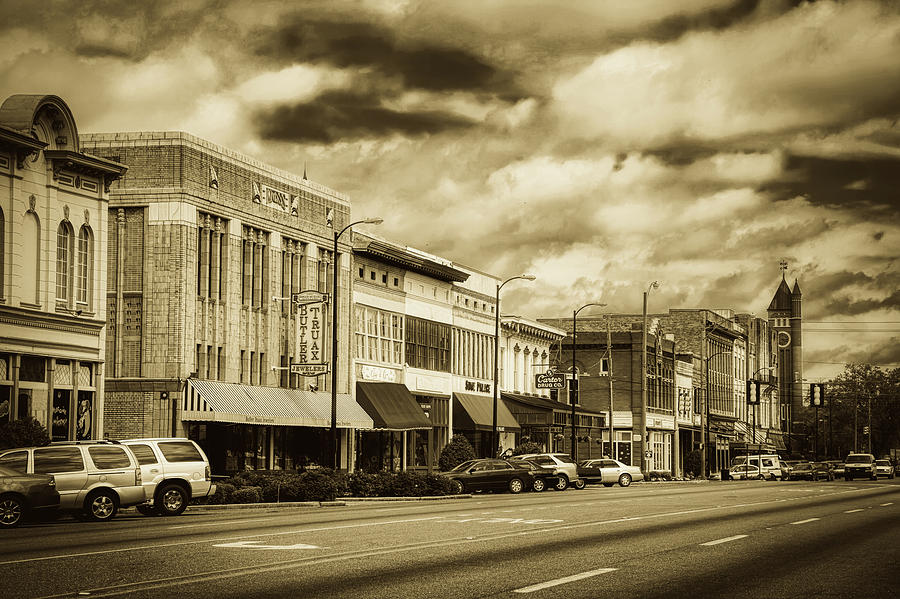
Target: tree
(457,451)
(849,397)
(26,432)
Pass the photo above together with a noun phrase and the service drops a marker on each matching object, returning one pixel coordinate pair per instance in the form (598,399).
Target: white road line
(567,579)
(887,504)
(217,523)
(853,511)
(725,540)
(805,521)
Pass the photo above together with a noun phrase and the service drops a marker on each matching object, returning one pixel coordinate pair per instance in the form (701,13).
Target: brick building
(53,226)
(205,246)
(785,318)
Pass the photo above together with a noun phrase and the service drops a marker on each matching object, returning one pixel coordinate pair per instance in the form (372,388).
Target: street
(710,539)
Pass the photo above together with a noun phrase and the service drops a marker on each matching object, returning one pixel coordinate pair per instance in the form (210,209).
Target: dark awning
(391,406)
(476,412)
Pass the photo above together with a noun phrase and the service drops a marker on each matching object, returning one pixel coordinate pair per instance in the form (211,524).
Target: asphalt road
(717,539)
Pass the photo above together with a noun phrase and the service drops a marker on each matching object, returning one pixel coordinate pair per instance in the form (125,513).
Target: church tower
(784,314)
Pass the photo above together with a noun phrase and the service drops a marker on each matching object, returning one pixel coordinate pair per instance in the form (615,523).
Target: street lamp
(644,468)
(496,354)
(573,389)
(704,465)
(335,461)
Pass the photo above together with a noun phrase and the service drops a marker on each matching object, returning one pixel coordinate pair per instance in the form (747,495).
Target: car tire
(147,509)
(562,483)
(456,487)
(538,485)
(760,477)
(101,505)
(624,479)
(171,500)
(516,485)
(579,484)
(12,510)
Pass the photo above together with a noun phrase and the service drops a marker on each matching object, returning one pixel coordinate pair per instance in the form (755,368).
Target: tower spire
(783,265)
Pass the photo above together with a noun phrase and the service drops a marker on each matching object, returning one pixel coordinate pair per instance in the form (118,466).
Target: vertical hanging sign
(310,333)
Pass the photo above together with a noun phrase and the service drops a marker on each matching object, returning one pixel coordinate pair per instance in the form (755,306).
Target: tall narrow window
(2,253)
(63,260)
(85,265)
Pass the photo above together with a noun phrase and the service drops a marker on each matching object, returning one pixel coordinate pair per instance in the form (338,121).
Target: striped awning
(215,401)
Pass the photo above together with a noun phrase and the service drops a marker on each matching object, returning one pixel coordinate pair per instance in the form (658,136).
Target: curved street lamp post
(573,388)
(335,459)
(494,439)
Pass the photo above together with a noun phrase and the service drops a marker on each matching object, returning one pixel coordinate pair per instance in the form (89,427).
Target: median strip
(565,580)
(725,540)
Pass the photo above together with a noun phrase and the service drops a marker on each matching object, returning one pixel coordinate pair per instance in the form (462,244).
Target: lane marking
(888,503)
(725,540)
(564,580)
(255,545)
(805,521)
(217,523)
(853,511)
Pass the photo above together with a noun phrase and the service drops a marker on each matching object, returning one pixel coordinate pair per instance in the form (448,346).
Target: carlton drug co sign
(549,380)
(309,340)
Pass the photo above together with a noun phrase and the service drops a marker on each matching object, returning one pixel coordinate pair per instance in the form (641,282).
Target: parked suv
(93,478)
(860,465)
(772,467)
(562,463)
(175,470)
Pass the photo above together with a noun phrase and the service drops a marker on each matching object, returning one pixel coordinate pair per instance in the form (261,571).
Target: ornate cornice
(85,164)
(37,319)
(23,145)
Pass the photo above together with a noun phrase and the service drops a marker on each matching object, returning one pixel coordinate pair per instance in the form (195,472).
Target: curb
(201,508)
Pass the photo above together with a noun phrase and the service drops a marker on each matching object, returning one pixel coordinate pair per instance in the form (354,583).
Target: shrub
(223,494)
(246,495)
(26,432)
(528,447)
(692,463)
(435,484)
(316,485)
(457,451)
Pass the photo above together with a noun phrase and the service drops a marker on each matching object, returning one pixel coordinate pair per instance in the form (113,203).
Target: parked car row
(93,479)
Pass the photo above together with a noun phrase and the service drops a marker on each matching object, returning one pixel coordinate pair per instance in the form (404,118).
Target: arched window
(85,273)
(31,261)
(64,256)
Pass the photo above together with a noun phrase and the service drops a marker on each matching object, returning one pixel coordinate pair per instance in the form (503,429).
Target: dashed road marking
(725,540)
(853,511)
(887,504)
(564,580)
(805,521)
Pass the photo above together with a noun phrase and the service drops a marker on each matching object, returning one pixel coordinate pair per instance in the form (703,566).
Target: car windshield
(882,462)
(464,466)
(803,467)
(859,459)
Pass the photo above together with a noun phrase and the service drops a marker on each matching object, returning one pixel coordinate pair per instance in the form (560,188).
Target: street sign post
(549,380)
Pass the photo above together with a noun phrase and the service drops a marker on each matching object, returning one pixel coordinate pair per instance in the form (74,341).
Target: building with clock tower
(785,318)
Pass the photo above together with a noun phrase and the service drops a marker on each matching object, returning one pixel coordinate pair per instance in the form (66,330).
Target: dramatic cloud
(599,145)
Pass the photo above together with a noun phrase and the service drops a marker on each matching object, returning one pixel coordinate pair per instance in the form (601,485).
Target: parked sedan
(746,472)
(544,477)
(810,471)
(884,468)
(609,472)
(24,494)
(492,475)
(837,468)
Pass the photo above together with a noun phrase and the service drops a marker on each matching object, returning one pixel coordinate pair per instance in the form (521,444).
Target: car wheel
(760,477)
(171,500)
(538,485)
(516,485)
(12,509)
(101,505)
(456,487)
(147,509)
(579,484)
(562,483)
(624,480)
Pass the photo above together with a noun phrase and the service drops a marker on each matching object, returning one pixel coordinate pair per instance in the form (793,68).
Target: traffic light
(753,392)
(817,395)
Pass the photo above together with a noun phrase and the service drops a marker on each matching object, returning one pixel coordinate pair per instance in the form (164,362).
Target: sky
(599,145)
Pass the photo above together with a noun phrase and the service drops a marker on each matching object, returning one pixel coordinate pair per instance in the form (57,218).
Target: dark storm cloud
(844,305)
(344,44)
(677,25)
(837,182)
(343,116)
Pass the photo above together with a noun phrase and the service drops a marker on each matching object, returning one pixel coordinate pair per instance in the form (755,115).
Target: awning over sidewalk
(476,412)
(777,440)
(215,401)
(391,406)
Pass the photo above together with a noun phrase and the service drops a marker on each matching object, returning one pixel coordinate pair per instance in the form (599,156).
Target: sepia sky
(600,145)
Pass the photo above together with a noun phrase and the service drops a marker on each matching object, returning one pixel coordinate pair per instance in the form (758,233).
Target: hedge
(271,486)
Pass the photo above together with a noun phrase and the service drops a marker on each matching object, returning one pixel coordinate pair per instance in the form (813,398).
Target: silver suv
(175,470)
(566,468)
(93,478)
